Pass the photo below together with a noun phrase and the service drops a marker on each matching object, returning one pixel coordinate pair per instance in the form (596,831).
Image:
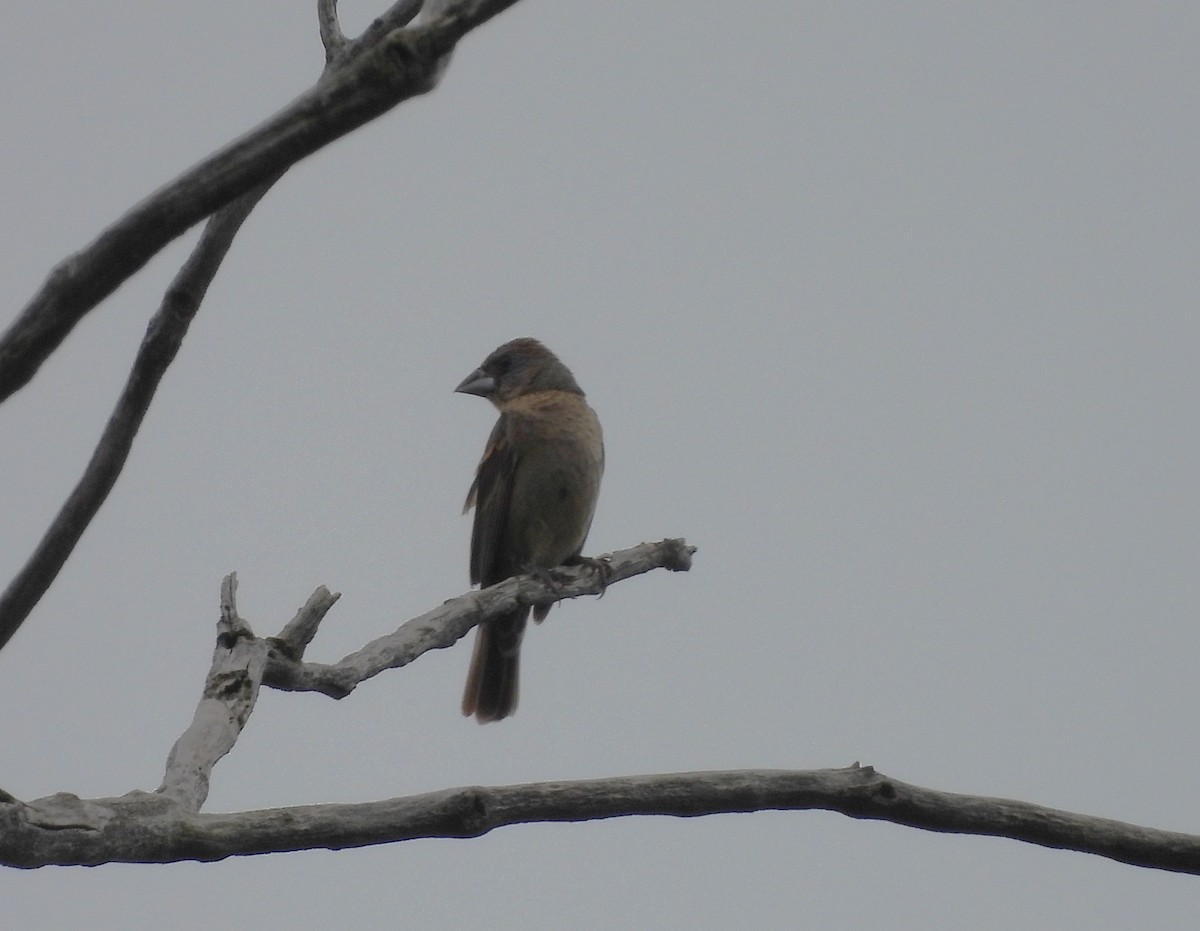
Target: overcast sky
(890,309)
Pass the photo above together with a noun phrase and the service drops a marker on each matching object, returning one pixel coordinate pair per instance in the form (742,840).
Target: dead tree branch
(242,663)
(163,338)
(230,691)
(83,280)
(143,828)
(167,826)
(367,80)
(447,624)
(32,834)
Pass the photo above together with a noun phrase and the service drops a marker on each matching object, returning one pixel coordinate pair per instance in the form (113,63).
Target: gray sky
(890,309)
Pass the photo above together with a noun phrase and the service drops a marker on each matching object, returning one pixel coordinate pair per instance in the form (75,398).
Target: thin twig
(395,17)
(332,36)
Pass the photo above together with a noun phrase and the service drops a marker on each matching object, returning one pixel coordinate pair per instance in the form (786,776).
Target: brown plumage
(534,495)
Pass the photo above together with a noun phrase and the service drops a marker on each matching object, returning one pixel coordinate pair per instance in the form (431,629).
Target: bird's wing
(491,495)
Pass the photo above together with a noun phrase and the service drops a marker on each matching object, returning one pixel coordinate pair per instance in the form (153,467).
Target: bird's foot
(602,568)
(547,577)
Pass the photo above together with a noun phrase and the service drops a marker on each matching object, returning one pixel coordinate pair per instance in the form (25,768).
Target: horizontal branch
(366,80)
(144,828)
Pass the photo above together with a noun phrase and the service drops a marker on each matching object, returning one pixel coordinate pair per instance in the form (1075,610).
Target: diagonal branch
(139,828)
(448,623)
(242,663)
(398,14)
(164,335)
(52,314)
(368,81)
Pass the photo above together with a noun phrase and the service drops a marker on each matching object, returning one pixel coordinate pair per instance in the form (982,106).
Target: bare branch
(164,335)
(230,691)
(446,624)
(137,828)
(378,75)
(397,15)
(83,280)
(332,36)
(298,633)
(242,663)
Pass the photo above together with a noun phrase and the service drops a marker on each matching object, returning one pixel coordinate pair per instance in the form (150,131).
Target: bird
(534,496)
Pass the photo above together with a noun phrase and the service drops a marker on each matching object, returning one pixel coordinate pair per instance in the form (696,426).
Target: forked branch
(406,62)
(242,662)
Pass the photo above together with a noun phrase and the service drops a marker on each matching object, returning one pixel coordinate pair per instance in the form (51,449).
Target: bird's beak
(478,383)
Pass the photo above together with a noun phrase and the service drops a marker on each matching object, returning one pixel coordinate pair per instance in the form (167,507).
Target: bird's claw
(602,568)
(547,577)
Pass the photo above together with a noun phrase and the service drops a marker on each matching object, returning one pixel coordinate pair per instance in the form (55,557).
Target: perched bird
(534,495)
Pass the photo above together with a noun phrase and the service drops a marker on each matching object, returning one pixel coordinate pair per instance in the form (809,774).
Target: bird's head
(519,367)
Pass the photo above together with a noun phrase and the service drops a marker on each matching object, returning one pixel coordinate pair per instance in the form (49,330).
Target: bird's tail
(491,692)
